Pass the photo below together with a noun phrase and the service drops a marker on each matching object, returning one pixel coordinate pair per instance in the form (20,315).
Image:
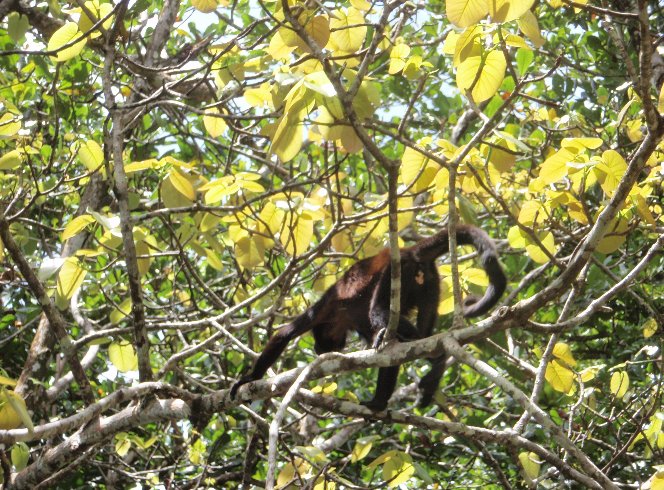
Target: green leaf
(123,356)
(524,58)
(20,455)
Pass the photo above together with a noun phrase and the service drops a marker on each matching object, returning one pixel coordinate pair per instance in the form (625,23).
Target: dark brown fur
(360,301)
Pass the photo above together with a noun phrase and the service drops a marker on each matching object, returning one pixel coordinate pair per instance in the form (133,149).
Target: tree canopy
(178,179)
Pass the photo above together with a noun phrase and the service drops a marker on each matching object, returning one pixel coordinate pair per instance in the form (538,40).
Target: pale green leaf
(70,278)
(11,160)
(123,356)
(91,155)
(10,124)
(67,34)
(20,455)
(531,464)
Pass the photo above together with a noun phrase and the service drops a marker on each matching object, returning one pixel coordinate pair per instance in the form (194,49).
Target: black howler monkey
(360,301)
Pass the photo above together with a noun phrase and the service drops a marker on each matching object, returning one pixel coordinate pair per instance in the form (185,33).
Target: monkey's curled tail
(438,244)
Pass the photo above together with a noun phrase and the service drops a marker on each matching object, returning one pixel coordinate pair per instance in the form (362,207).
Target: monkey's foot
(375,405)
(378,339)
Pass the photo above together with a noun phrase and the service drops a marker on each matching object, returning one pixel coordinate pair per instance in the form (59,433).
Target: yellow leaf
(361,5)
(98,11)
(63,36)
(348,30)
(531,464)
(660,100)
(288,137)
(484,75)
(532,212)
(449,47)
(12,410)
(91,155)
(559,377)
(286,475)
(507,10)
(610,171)
(11,160)
(213,260)
(614,237)
(464,13)
(296,239)
(555,168)
(536,252)
(249,252)
(657,482)
(361,449)
(10,124)
(182,184)
(259,97)
(70,278)
(582,143)
(123,356)
(589,373)
(563,352)
(649,328)
(398,56)
(214,124)
(517,238)
(349,140)
(205,6)
(398,469)
(476,276)
(555,3)
(619,383)
(5,381)
(76,226)
(318,29)
(278,49)
(468,45)
(530,27)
